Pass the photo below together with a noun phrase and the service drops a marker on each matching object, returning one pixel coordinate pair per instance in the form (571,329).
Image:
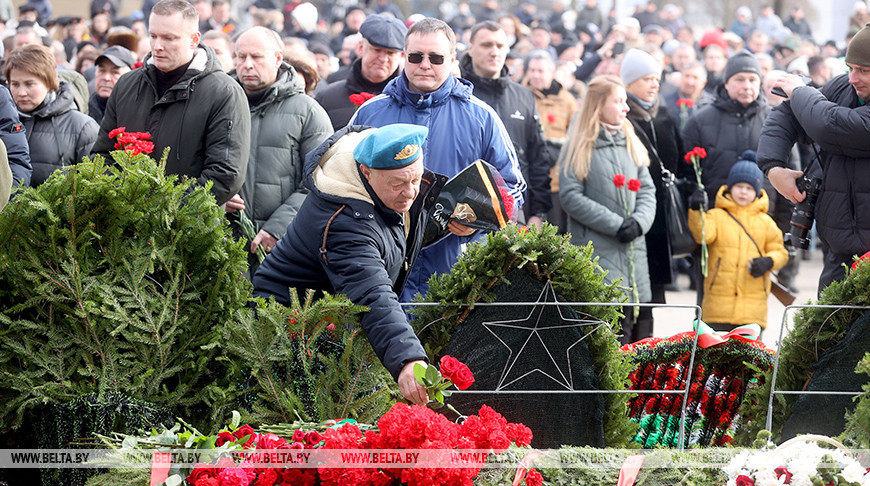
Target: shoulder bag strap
(666,174)
(747,233)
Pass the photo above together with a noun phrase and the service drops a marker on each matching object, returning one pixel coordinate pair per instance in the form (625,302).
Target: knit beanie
(637,64)
(746,171)
(742,62)
(858,51)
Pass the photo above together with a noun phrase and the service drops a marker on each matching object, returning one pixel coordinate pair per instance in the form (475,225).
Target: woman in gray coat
(607,192)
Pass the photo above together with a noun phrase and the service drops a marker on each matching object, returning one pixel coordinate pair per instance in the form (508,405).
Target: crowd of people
(583,114)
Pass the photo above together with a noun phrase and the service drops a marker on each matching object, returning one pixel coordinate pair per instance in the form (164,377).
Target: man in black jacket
(835,117)
(379,56)
(185,101)
(358,233)
(731,124)
(484,65)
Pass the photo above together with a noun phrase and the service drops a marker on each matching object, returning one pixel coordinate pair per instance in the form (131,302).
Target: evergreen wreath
(116,279)
(574,274)
(815,331)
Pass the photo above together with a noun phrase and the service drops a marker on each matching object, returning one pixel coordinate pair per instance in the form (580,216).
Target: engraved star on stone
(534,344)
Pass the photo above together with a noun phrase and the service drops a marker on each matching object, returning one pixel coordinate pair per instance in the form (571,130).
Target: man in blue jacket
(358,232)
(462,129)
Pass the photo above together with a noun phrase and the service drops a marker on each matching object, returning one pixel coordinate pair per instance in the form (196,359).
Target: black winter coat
(13,136)
(58,135)
(660,136)
(516,107)
(204,118)
(832,117)
(725,129)
(335,98)
(366,255)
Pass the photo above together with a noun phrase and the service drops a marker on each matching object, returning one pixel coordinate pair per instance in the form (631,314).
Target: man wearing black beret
(379,56)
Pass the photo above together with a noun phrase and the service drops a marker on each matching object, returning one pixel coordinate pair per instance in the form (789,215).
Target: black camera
(803,214)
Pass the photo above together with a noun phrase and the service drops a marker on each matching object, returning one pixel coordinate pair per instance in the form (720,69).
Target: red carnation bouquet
(694,157)
(619,181)
(134,143)
(359,98)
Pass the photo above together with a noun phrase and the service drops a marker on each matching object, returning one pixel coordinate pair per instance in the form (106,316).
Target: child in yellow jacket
(744,245)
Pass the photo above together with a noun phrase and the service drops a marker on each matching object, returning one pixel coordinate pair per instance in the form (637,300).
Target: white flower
(853,473)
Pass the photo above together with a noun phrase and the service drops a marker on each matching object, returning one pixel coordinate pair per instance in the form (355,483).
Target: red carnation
(551,118)
(685,102)
(782,471)
(619,180)
(359,98)
(508,202)
(633,185)
(118,131)
(743,480)
(534,478)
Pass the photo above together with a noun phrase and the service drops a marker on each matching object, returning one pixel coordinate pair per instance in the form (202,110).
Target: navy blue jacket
(366,255)
(12,134)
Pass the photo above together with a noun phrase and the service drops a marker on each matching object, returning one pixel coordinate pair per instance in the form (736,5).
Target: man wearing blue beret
(358,233)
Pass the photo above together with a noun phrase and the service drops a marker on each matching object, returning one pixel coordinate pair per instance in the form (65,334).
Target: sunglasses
(417,58)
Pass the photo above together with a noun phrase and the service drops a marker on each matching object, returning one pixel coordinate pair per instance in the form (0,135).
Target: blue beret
(392,146)
(384,31)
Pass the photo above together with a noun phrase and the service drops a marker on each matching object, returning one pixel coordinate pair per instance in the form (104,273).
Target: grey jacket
(596,210)
(285,126)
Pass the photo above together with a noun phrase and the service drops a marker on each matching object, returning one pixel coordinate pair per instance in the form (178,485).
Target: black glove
(629,230)
(698,200)
(759,266)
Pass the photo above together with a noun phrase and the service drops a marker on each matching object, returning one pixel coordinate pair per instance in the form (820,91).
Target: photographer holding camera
(836,119)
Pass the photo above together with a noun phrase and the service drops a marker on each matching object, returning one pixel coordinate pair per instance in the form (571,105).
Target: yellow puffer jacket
(731,294)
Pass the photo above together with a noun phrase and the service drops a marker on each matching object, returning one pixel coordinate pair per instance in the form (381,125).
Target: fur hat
(637,64)
(746,171)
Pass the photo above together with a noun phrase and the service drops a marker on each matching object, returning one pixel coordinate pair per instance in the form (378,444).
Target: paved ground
(670,321)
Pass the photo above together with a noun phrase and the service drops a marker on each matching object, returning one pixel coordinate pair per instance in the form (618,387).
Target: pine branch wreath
(574,274)
(815,331)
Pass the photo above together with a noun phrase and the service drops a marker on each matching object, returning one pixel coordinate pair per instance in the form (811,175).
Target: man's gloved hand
(629,230)
(759,266)
(698,200)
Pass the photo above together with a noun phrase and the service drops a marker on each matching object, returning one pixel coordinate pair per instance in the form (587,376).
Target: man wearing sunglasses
(462,129)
